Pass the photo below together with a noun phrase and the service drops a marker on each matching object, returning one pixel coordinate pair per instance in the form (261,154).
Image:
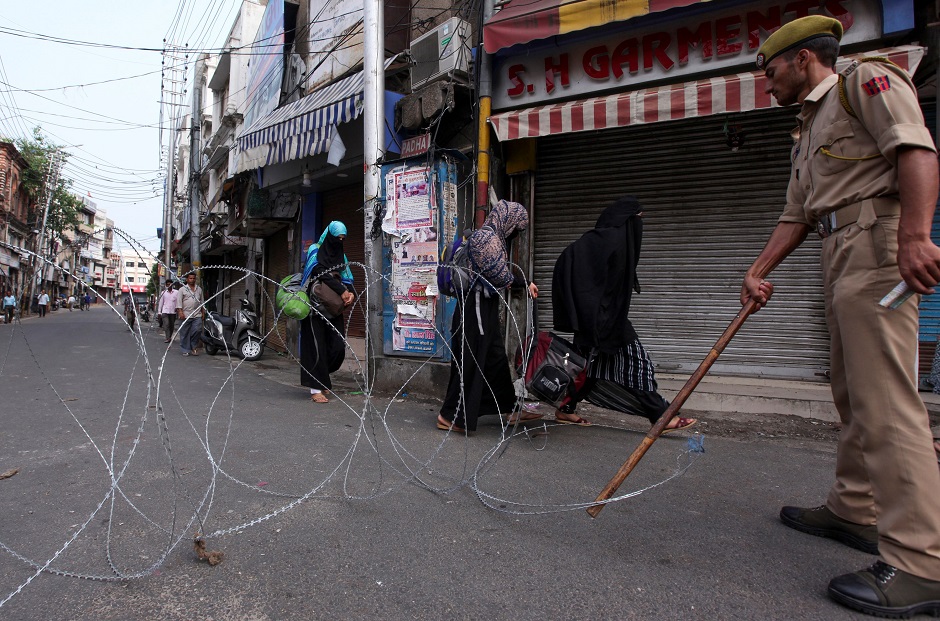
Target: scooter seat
(227,322)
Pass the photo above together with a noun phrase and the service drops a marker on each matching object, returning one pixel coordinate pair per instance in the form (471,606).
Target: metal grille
(708,212)
(277,267)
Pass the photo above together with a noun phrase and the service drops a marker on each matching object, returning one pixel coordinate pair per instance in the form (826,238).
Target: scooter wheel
(211,349)
(251,349)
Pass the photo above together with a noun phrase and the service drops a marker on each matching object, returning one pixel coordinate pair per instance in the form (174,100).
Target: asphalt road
(328,514)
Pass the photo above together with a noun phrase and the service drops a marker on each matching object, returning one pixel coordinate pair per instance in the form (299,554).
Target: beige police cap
(796,33)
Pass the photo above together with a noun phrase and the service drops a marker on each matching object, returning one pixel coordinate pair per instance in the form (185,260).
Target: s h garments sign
(722,40)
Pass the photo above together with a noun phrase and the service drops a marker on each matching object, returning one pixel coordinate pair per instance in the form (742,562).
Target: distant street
(390,527)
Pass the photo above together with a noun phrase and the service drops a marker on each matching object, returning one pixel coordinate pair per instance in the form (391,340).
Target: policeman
(864,174)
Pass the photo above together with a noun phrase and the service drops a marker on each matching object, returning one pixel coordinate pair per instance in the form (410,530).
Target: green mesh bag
(291,298)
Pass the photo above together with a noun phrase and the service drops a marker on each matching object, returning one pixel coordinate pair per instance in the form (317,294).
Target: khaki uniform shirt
(889,117)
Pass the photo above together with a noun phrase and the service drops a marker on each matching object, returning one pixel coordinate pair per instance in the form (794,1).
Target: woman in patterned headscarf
(322,346)
(480,382)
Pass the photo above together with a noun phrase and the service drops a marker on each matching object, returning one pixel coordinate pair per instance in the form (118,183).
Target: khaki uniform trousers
(886,469)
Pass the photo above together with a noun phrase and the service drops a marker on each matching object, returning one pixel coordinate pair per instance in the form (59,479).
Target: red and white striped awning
(740,92)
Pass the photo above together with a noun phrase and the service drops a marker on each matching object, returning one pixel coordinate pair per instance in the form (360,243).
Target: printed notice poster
(417,254)
(413,339)
(412,196)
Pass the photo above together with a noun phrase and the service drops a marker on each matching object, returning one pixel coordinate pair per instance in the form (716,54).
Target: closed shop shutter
(930,304)
(277,266)
(345,205)
(708,213)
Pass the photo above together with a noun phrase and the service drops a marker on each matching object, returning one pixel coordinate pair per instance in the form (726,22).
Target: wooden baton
(673,408)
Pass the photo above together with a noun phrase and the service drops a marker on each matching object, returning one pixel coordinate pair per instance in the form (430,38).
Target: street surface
(390,526)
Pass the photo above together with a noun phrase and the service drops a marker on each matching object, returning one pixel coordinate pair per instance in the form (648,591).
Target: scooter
(237,334)
(144,312)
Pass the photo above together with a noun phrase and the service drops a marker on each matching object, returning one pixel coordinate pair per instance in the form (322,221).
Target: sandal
(445,425)
(577,420)
(681,423)
(522,418)
(319,397)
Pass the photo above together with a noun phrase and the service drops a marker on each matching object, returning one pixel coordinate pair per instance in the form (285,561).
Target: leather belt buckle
(826,225)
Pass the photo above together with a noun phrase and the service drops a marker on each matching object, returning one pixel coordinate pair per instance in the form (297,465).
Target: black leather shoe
(822,522)
(886,591)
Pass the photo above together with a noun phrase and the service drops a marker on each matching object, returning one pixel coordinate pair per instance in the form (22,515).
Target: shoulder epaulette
(843,98)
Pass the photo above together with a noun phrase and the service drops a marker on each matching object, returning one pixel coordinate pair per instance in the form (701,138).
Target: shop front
(304,162)
(667,108)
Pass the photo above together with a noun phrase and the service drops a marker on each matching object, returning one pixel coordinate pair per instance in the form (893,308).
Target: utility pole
(174,75)
(374,129)
(50,191)
(195,161)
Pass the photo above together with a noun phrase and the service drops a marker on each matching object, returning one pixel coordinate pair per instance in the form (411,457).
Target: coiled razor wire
(189,512)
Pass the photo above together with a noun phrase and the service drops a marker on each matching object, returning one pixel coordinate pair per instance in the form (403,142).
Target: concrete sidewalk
(765,396)
(718,394)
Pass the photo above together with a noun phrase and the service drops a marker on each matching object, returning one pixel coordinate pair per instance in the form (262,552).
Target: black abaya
(322,350)
(487,383)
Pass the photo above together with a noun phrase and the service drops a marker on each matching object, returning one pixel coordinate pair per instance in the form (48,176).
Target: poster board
(419,222)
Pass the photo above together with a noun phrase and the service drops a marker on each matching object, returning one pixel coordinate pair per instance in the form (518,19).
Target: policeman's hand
(533,290)
(347,297)
(919,262)
(756,289)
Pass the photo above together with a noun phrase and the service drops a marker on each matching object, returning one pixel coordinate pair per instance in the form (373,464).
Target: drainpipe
(483,139)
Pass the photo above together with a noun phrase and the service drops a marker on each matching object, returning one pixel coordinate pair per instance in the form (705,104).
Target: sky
(111,129)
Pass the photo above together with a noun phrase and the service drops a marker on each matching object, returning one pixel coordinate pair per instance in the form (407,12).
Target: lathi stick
(673,409)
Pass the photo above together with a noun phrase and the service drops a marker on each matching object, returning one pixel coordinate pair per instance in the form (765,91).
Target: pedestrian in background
(864,175)
(189,310)
(322,343)
(130,313)
(167,309)
(9,306)
(87,301)
(42,302)
(70,302)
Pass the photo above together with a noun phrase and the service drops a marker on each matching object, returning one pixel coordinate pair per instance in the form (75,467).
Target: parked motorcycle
(237,334)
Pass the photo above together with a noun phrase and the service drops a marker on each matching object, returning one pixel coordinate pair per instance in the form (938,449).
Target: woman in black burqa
(592,286)
(477,341)
(322,342)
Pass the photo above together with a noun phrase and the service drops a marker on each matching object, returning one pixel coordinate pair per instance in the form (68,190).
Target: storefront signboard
(725,39)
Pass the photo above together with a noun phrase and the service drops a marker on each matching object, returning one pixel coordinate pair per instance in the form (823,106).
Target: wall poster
(411,219)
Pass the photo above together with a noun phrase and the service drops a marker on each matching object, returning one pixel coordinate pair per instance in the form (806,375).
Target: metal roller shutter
(930,304)
(708,213)
(345,205)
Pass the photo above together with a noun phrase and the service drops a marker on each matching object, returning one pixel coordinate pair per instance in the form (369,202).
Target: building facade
(14,213)
(667,105)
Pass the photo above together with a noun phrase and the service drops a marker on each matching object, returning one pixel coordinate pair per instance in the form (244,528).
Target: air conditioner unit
(440,53)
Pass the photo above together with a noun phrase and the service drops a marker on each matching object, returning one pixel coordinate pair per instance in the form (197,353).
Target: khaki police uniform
(844,181)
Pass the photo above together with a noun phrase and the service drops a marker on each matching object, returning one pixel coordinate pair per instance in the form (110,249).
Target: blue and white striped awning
(303,128)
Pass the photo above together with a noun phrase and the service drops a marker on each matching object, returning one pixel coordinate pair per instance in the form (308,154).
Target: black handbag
(555,369)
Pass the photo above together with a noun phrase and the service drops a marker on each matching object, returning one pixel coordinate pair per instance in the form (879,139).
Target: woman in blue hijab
(322,339)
